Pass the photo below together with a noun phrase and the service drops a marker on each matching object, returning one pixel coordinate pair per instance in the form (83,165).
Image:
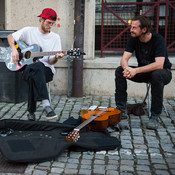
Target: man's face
(46,25)
(135,29)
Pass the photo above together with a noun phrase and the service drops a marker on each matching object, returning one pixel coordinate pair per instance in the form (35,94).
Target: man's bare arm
(124,61)
(15,54)
(158,64)
(58,56)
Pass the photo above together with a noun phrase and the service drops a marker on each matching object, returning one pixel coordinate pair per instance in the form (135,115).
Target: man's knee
(159,76)
(118,71)
(156,75)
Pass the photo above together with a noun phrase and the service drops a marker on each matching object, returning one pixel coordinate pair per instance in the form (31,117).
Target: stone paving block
(98,171)
(86,162)
(58,164)
(85,171)
(69,171)
(112,167)
(86,166)
(112,172)
(143,168)
(125,168)
(161,172)
(99,162)
(143,173)
(57,170)
(39,172)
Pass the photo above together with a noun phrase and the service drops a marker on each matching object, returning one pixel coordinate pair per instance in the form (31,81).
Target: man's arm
(124,61)
(15,54)
(54,59)
(158,64)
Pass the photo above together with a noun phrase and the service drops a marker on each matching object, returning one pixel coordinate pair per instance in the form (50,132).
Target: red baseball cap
(47,13)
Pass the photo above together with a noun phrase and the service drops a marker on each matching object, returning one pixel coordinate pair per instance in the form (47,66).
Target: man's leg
(159,78)
(37,75)
(120,91)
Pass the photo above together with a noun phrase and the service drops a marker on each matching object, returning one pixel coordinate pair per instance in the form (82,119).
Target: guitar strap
(39,141)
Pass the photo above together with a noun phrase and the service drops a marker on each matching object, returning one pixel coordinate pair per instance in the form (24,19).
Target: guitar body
(24,56)
(104,120)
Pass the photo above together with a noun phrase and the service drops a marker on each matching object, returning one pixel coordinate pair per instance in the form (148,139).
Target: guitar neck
(86,122)
(40,54)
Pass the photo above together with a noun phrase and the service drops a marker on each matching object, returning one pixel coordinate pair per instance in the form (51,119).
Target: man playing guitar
(42,71)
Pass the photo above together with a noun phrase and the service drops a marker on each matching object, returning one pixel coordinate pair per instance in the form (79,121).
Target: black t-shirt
(146,52)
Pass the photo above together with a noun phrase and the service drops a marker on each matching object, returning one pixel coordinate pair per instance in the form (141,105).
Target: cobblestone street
(143,151)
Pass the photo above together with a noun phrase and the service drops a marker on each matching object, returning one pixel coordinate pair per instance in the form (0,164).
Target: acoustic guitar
(97,118)
(29,54)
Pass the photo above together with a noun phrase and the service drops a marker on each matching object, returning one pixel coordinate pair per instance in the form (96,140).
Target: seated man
(153,67)
(40,72)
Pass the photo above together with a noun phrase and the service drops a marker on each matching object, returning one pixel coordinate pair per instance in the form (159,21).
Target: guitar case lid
(39,141)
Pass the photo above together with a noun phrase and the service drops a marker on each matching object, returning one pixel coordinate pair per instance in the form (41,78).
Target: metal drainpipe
(77,79)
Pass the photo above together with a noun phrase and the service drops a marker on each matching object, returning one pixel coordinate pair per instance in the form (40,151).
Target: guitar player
(42,71)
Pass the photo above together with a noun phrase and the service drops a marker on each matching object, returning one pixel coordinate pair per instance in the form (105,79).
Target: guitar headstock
(75,52)
(73,136)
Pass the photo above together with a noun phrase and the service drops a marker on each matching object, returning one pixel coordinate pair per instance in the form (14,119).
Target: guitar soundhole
(27,54)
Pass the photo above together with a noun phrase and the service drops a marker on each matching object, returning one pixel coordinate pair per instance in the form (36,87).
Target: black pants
(37,75)
(157,78)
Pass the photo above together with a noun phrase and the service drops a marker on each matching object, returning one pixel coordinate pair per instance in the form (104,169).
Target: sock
(45,103)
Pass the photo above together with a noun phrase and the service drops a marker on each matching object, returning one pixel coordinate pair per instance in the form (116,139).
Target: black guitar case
(39,141)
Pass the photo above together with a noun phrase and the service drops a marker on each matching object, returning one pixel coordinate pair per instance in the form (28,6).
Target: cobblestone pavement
(143,152)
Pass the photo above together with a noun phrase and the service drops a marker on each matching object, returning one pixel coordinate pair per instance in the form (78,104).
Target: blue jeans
(158,79)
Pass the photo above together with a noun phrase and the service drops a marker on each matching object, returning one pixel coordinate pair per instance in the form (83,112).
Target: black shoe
(153,123)
(31,116)
(50,114)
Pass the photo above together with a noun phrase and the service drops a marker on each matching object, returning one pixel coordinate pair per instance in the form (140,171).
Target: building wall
(98,73)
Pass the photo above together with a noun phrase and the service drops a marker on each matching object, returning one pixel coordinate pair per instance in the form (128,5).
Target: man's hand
(54,59)
(129,72)
(15,55)
(59,55)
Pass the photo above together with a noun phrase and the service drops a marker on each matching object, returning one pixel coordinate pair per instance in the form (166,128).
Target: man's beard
(136,36)
(44,29)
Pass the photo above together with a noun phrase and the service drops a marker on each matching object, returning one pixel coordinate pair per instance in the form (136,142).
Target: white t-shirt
(47,42)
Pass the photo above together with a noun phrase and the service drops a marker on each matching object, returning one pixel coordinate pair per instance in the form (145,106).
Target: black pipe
(77,79)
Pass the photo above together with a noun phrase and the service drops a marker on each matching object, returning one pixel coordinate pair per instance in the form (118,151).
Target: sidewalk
(143,152)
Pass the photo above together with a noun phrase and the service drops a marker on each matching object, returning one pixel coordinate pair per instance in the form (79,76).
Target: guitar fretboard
(40,54)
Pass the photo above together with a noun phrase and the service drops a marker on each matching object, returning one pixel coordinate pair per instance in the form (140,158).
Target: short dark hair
(144,22)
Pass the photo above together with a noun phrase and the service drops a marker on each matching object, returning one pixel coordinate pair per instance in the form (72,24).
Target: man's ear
(144,30)
(40,19)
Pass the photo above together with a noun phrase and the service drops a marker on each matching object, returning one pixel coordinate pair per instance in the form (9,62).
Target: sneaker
(50,114)
(124,115)
(153,123)
(31,116)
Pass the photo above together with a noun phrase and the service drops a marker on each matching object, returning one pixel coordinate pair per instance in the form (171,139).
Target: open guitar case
(39,141)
